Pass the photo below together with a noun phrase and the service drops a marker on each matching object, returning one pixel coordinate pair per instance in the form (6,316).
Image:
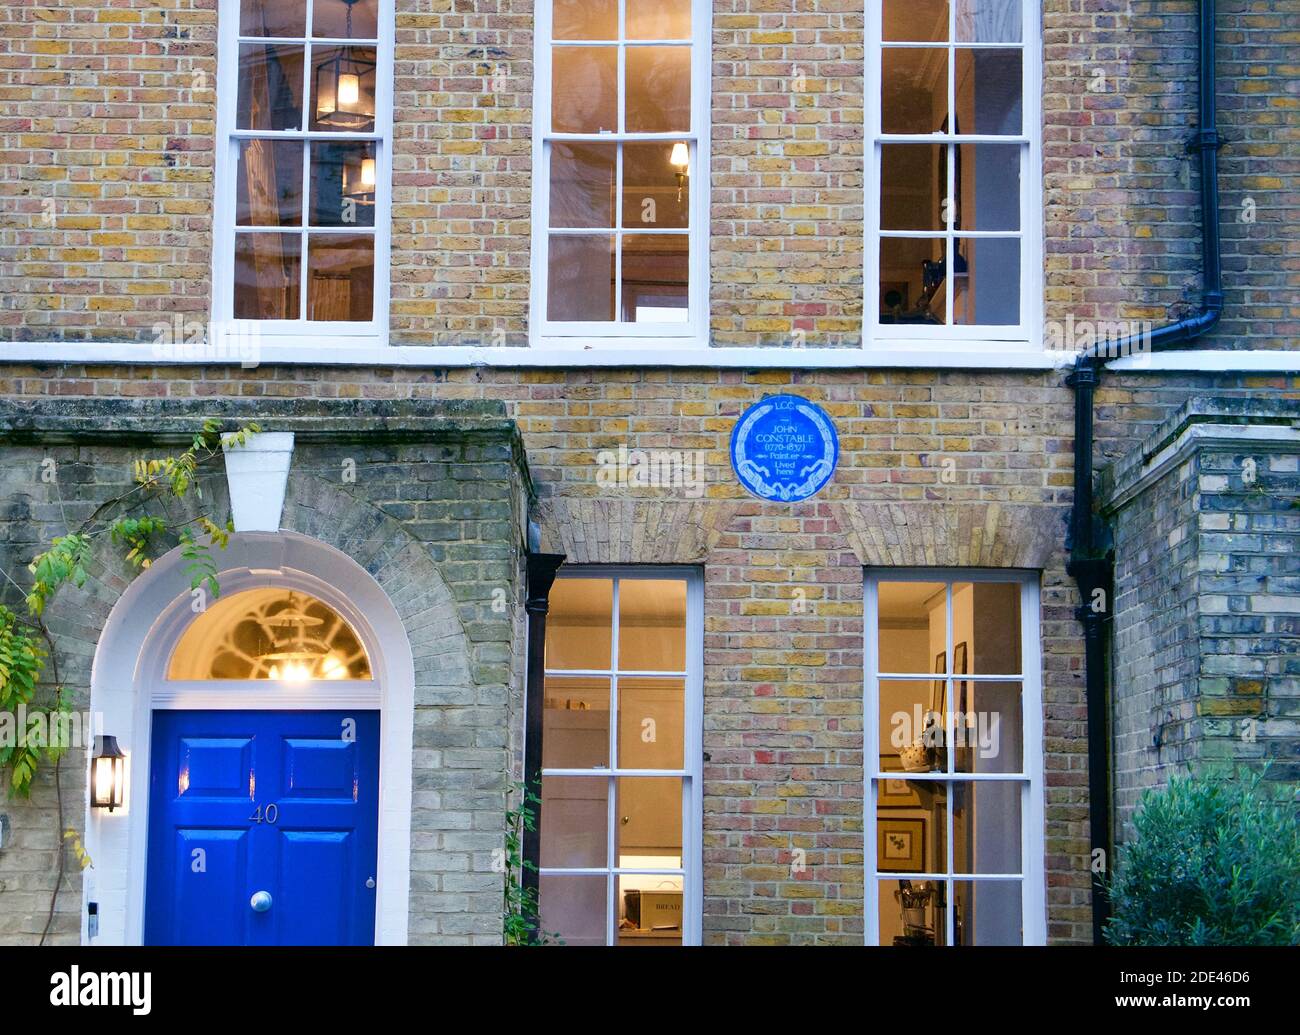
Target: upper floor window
(621,109)
(302,195)
(952,252)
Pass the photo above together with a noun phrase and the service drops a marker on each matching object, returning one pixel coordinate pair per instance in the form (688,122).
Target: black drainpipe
(1091,561)
(541,569)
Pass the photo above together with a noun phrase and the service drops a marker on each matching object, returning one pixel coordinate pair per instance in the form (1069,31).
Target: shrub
(1213,862)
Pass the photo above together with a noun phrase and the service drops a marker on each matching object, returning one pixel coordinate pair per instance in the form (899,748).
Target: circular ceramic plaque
(784,448)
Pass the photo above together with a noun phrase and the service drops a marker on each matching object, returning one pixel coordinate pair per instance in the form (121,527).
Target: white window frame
(691,773)
(309,335)
(1032,833)
(693,332)
(1011,340)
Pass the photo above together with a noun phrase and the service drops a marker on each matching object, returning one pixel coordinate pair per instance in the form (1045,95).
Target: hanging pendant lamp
(345,86)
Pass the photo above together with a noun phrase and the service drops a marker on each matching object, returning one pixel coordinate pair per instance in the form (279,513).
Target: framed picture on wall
(896,794)
(961,691)
(900,845)
(938,687)
(937,719)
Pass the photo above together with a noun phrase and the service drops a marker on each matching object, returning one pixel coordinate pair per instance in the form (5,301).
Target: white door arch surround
(127,685)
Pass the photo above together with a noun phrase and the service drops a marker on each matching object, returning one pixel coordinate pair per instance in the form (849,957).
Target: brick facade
(108,153)
(105,231)
(783,690)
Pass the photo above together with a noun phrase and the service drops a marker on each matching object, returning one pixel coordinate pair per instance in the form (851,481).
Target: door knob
(261,901)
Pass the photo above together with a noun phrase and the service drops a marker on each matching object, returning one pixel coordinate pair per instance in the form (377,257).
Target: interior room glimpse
(616,785)
(621,150)
(950,791)
(950,147)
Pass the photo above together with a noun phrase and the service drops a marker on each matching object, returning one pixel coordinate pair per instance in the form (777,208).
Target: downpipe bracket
(1204,139)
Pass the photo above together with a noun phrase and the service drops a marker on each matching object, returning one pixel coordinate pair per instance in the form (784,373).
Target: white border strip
(602,354)
(652,354)
(1268,361)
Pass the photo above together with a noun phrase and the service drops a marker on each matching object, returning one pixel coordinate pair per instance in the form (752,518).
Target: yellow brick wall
(107,144)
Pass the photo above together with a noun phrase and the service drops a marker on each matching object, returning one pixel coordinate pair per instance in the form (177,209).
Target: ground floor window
(953,736)
(621,757)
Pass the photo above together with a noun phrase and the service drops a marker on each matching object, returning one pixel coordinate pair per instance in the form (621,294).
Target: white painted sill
(650,353)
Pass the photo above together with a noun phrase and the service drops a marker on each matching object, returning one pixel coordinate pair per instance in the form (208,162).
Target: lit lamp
(107,774)
(345,87)
(680,160)
(296,655)
(359,181)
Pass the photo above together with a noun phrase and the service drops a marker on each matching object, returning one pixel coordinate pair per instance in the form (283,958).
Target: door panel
(281,802)
(210,869)
(212,767)
(311,915)
(319,769)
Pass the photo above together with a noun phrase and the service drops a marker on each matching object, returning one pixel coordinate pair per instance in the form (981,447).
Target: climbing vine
(521,922)
(142,523)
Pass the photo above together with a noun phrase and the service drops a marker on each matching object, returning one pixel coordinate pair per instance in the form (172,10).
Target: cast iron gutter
(1091,561)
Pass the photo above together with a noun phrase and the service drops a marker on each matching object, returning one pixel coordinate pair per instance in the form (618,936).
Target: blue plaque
(784,448)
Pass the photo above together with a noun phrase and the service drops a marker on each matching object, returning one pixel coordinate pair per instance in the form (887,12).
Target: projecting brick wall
(1155,643)
(1207,598)
(434,514)
(107,153)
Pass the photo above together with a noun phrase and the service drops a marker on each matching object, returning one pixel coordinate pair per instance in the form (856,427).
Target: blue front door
(263,828)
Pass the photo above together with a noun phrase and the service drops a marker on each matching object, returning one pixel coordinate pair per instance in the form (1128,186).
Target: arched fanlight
(269,633)
(345,86)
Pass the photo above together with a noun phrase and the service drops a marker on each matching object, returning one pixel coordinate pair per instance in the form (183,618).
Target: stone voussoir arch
(634,530)
(400,565)
(964,535)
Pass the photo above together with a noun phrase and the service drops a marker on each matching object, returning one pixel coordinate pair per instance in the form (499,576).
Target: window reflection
(268,276)
(341,277)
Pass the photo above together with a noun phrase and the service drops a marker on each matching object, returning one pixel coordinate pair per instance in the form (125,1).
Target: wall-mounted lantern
(107,774)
